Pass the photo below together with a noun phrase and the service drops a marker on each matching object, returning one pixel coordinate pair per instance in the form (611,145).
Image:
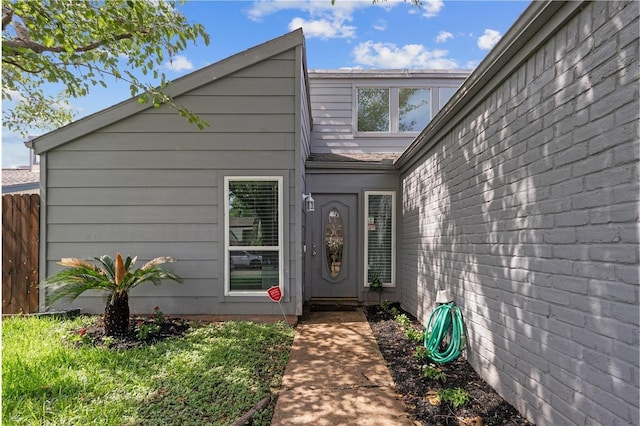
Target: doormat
(331,307)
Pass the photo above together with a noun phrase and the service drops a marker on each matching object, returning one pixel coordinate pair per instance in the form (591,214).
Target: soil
(485,406)
(158,330)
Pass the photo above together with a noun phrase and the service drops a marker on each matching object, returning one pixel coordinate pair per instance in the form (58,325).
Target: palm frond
(71,283)
(157,261)
(130,262)
(108,266)
(72,262)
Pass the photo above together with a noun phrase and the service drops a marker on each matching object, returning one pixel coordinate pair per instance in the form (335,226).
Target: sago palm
(116,277)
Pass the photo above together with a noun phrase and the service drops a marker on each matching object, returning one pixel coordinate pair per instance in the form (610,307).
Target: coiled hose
(444,320)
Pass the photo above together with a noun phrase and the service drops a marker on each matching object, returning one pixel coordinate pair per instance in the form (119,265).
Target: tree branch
(21,43)
(16,64)
(7,16)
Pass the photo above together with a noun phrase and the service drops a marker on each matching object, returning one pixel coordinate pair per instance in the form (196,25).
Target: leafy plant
(403,320)
(158,316)
(431,372)
(145,330)
(116,277)
(395,312)
(375,283)
(414,334)
(384,305)
(421,354)
(455,396)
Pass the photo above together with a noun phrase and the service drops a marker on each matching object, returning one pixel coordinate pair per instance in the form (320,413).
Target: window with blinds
(379,234)
(253,243)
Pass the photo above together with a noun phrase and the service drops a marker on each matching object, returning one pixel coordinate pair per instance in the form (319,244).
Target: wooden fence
(20,240)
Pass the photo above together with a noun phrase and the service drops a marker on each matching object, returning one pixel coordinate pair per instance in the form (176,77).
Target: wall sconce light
(309,203)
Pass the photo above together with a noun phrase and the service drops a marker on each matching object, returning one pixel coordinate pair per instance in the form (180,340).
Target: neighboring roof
(390,73)
(178,87)
(20,180)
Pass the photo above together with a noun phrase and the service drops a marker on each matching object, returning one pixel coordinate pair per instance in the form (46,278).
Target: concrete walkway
(336,376)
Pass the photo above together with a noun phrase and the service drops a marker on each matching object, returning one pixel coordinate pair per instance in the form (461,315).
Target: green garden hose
(444,320)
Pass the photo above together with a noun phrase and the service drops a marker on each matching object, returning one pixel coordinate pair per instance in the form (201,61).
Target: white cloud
(324,20)
(432,8)
(388,55)
(380,25)
(489,39)
(260,9)
(179,63)
(472,64)
(443,36)
(15,95)
(323,28)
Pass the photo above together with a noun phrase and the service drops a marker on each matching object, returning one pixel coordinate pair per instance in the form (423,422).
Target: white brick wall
(527,211)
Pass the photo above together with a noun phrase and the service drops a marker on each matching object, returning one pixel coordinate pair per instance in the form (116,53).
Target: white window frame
(394,108)
(228,248)
(393,236)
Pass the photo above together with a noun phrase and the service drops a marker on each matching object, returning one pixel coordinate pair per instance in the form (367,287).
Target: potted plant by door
(375,283)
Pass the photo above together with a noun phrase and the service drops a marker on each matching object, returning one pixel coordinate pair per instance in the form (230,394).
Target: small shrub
(403,321)
(384,305)
(158,316)
(144,330)
(415,335)
(421,354)
(394,312)
(82,337)
(455,396)
(431,372)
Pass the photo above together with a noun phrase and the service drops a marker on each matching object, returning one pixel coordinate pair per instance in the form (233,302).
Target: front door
(334,267)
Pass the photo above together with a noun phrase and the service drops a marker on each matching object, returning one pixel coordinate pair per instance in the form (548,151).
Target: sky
(361,34)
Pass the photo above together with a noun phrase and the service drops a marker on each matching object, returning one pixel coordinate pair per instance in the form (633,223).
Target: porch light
(309,203)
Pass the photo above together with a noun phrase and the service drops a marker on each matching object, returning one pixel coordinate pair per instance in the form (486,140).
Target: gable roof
(178,87)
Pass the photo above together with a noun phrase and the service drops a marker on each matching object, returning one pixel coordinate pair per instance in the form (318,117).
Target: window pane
(445,94)
(373,109)
(253,213)
(379,241)
(334,242)
(253,270)
(415,109)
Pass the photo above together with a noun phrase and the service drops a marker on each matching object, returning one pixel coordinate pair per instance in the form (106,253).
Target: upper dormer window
(392,109)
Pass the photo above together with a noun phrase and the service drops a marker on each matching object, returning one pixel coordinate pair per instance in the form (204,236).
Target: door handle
(313,250)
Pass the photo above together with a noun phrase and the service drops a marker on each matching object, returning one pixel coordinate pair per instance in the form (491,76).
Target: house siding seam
(527,211)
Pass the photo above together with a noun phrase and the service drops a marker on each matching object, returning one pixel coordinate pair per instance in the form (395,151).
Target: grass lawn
(211,376)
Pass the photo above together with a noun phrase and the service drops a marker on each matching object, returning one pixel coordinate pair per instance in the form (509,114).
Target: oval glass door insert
(334,242)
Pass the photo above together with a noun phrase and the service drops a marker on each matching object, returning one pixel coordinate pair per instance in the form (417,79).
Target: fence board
(20,241)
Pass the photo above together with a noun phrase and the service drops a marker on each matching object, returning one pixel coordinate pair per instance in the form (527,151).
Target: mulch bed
(485,406)
(159,330)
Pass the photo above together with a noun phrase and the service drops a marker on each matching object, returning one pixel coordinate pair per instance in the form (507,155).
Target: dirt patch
(422,394)
(142,331)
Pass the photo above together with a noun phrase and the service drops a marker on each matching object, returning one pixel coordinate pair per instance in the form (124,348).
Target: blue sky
(349,34)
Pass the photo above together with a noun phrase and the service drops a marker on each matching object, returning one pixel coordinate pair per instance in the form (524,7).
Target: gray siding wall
(527,210)
(152,185)
(332,103)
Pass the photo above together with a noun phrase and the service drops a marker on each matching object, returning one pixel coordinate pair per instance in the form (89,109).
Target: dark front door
(334,268)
